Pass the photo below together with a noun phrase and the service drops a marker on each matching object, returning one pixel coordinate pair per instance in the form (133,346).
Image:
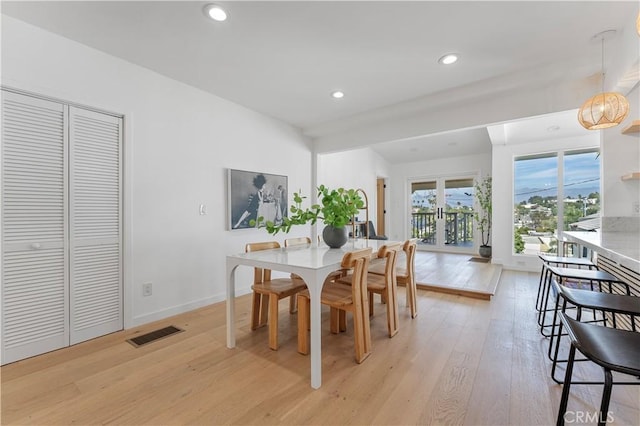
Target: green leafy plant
(337,208)
(483,216)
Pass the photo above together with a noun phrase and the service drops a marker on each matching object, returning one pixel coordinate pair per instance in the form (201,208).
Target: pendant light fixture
(606,109)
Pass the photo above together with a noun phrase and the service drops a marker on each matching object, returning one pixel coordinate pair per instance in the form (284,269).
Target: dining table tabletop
(313,263)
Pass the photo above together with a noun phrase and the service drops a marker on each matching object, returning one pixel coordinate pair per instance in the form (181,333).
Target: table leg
(231,304)
(316,342)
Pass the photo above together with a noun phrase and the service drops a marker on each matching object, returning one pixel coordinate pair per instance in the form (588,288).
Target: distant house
(587,223)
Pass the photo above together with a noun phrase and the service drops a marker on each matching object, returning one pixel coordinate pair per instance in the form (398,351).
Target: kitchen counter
(620,247)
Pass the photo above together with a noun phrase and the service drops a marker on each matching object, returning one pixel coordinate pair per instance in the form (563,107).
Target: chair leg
(256,304)
(358,337)
(370,304)
(264,310)
(293,306)
(342,320)
(392,310)
(554,359)
(366,327)
(565,387)
(552,336)
(273,321)
(337,320)
(303,324)
(542,315)
(545,300)
(362,335)
(412,293)
(538,296)
(407,292)
(606,397)
(334,320)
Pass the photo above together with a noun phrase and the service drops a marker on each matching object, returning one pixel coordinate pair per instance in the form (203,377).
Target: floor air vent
(154,335)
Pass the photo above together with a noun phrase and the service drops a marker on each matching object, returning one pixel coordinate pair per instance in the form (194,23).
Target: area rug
(480,259)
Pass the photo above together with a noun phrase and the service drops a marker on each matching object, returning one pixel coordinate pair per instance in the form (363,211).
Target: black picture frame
(254,194)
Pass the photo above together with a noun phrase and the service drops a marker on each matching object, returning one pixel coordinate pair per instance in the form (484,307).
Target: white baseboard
(181,309)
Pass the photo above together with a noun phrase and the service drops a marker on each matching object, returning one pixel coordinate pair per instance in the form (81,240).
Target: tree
(572,212)
(483,216)
(518,243)
(536,199)
(537,217)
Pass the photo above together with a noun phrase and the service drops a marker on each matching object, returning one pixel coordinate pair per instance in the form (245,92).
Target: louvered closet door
(34,210)
(95,224)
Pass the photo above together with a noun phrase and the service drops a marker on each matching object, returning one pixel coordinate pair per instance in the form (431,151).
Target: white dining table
(313,262)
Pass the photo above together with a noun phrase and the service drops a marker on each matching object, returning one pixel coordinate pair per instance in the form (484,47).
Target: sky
(453,196)
(538,176)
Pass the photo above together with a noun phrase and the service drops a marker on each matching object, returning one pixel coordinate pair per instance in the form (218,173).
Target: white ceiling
(285,58)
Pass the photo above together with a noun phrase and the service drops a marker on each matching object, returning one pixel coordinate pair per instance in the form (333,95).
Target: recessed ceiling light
(448,59)
(337,94)
(215,12)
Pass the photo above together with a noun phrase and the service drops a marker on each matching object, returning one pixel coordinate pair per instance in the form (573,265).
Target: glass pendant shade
(606,109)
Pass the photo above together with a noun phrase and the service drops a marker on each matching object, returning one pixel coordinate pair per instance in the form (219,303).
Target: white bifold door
(61,225)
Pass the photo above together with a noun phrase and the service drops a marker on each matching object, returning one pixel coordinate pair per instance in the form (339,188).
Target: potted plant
(336,210)
(483,214)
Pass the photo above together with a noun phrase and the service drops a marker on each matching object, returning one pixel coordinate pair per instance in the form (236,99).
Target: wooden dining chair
(292,242)
(341,299)
(384,284)
(296,241)
(405,274)
(267,292)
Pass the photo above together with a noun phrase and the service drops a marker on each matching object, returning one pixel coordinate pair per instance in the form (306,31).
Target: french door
(442,211)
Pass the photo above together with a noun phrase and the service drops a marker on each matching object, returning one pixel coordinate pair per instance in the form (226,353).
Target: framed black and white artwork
(255,194)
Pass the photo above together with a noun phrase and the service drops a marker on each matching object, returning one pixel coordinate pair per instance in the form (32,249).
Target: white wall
(178,143)
(621,156)
(503,156)
(400,226)
(358,168)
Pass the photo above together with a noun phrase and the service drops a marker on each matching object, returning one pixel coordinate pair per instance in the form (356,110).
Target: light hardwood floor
(455,273)
(461,361)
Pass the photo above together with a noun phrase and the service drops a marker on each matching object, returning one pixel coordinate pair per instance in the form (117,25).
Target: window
(554,192)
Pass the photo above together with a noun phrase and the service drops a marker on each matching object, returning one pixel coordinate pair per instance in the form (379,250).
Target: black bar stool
(574,277)
(612,349)
(614,304)
(565,262)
